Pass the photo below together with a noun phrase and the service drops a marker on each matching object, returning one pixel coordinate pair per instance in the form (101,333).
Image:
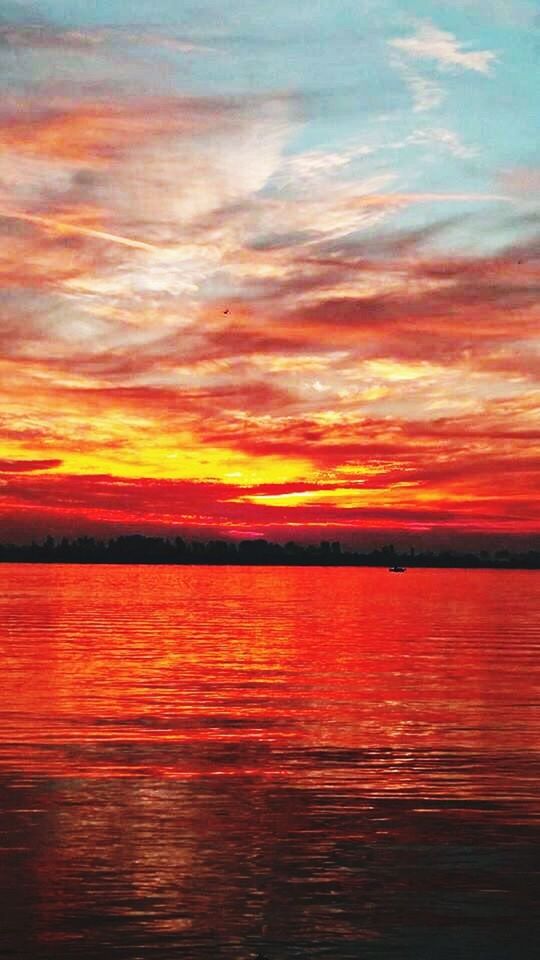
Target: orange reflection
(325,677)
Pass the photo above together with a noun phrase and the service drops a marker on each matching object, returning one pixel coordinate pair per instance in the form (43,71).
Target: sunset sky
(269,269)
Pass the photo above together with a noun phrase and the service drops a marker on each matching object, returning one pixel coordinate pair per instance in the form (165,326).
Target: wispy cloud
(45,36)
(427,95)
(431,43)
(448,140)
(234,311)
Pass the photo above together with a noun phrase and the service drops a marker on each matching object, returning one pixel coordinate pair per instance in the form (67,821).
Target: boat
(397,569)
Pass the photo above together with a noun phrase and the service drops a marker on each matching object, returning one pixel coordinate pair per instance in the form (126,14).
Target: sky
(270,270)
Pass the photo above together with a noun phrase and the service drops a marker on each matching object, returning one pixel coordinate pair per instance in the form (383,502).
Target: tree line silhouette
(136,548)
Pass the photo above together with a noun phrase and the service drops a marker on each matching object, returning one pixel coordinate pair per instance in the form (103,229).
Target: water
(216,762)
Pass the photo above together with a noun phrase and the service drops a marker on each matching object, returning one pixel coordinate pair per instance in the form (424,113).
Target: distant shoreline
(137,549)
(434,565)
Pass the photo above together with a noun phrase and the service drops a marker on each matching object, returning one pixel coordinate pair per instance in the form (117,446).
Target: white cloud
(315,164)
(175,180)
(447,139)
(426,94)
(430,43)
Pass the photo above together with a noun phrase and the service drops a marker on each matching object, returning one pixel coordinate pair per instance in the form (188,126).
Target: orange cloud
(186,341)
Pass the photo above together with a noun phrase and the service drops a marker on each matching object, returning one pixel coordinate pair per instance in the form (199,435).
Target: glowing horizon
(269,273)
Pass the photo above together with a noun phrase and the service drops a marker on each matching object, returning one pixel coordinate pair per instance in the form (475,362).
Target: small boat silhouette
(397,569)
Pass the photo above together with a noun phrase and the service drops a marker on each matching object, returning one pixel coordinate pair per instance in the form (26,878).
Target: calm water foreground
(202,762)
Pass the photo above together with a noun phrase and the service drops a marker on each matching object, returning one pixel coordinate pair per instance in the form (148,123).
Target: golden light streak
(61,227)
(384,199)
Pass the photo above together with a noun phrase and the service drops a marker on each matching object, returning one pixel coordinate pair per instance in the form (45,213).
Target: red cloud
(97,503)
(153,296)
(28,466)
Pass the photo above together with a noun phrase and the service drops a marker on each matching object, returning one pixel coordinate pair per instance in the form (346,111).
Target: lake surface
(201,762)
